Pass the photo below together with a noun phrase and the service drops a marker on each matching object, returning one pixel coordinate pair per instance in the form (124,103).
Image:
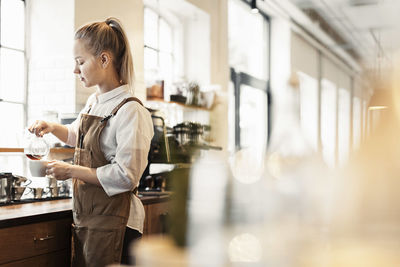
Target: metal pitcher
(6,180)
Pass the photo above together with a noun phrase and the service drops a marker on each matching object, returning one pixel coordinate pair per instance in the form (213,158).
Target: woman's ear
(105,58)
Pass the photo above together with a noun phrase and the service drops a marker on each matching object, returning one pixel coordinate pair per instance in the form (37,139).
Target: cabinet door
(30,240)
(155,222)
(55,259)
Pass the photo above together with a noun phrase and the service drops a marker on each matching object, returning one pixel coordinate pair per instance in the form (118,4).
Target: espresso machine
(178,146)
(159,153)
(164,149)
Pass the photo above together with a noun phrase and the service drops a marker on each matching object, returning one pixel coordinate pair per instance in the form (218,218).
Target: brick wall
(51,87)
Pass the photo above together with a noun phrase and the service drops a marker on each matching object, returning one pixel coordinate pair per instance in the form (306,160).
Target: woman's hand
(40,128)
(63,171)
(59,170)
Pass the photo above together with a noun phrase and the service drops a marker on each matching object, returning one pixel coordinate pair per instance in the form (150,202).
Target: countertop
(19,214)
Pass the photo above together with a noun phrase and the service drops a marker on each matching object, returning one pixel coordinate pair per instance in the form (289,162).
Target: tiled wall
(49,58)
(51,87)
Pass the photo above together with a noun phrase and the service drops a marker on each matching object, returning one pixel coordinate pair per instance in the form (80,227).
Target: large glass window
(328,122)
(309,109)
(357,122)
(253,117)
(158,49)
(365,118)
(12,70)
(344,121)
(248,41)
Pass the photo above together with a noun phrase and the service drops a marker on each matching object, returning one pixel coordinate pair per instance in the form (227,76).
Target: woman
(112,138)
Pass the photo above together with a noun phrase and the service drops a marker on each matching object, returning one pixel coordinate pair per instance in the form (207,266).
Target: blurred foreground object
(365,209)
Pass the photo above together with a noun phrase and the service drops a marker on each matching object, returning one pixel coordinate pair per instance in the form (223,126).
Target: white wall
(130,13)
(49,57)
(52,85)
(280,67)
(218,11)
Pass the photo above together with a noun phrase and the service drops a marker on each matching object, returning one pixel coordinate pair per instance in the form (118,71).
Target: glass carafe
(36,148)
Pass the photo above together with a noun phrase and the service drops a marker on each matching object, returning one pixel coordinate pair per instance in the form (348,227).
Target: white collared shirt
(125,142)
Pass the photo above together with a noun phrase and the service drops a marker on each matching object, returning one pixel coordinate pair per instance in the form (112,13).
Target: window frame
(241,78)
(24,102)
(157,49)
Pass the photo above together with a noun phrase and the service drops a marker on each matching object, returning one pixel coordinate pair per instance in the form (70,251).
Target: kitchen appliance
(159,150)
(11,186)
(189,133)
(14,187)
(181,132)
(6,180)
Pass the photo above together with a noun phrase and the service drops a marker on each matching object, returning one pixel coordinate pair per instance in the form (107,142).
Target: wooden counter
(20,214)
(36,234)
(39,233)
(156,207)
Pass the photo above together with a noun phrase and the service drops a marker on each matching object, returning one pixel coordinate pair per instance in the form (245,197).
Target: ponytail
(110,36)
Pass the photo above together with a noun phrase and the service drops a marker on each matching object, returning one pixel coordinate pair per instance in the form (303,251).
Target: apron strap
(115,110)
(135,191)
(90,108)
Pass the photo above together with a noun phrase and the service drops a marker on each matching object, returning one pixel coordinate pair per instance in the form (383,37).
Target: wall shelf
(176,112)
(52,150)
(151,101)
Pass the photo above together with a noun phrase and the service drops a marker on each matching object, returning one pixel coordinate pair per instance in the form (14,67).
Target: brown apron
(99,220)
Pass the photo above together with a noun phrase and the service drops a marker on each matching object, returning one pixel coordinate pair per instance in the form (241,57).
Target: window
(328,122)
(12,70)
(344,120)
(309,109)
(248,40)
(158,49)
(357,122)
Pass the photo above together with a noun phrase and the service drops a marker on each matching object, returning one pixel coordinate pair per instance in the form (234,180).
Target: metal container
(206,136)
(6,182)
(195,133)
(188,133)
(19,180)
(17,192)
(182,133)
(54,191)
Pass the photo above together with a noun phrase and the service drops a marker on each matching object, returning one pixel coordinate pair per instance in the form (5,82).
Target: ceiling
(368,29)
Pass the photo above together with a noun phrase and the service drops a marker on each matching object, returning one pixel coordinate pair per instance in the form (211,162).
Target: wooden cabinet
(156,218)
(37,244)
(58,258)
(39,234)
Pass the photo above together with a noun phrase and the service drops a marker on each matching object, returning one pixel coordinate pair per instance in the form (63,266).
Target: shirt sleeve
(73,131)
(134,131)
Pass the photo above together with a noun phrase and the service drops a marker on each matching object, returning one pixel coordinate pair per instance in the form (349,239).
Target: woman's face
(87,66)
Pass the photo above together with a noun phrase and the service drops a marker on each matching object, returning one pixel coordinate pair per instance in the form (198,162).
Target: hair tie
(110,24)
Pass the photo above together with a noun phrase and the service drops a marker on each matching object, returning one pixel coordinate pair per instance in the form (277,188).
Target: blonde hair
(109,36)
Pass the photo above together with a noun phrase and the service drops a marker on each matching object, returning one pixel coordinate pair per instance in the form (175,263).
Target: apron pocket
(96,247)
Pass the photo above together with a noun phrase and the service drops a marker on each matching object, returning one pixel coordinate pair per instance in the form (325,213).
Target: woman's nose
(76,70)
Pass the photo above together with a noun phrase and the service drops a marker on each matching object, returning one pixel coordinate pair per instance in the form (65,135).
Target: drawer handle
(43,238)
